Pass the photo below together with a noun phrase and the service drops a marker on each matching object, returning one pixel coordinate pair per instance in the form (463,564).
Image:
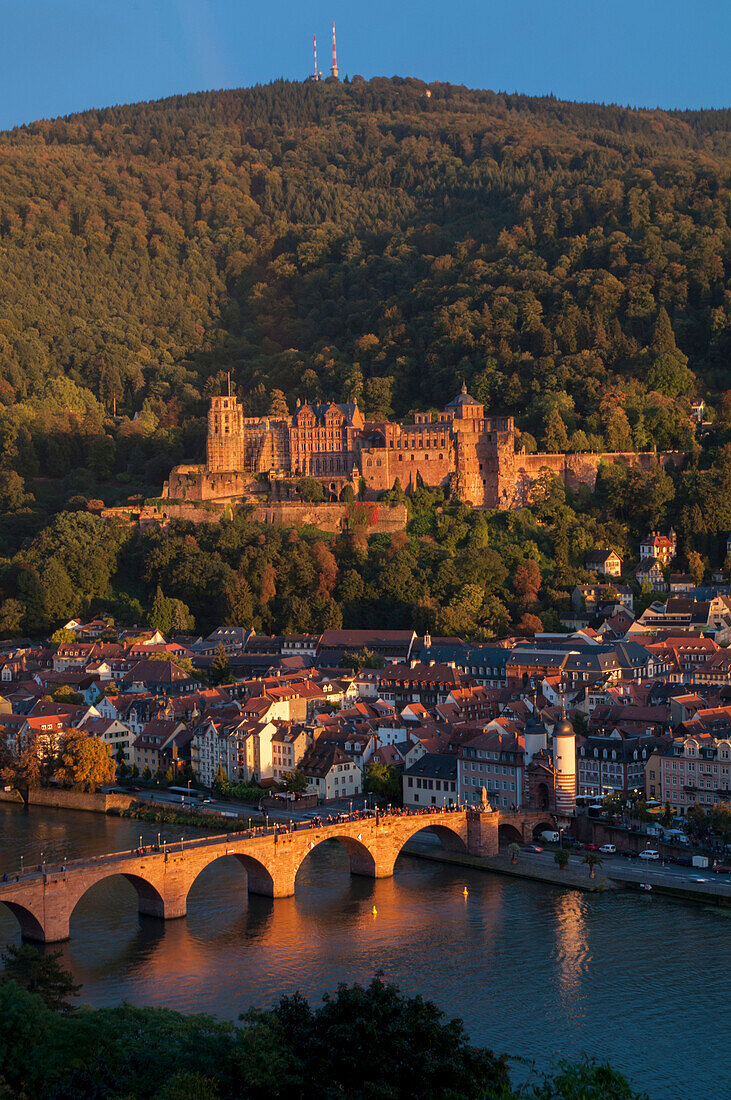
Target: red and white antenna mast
(334,70)
(317,75)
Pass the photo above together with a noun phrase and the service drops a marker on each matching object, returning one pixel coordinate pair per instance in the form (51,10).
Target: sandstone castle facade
(460,449)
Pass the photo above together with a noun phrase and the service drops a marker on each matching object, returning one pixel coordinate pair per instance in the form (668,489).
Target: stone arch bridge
(44,899)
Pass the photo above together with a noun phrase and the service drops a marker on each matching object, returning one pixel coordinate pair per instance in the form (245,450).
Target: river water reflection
(535,972)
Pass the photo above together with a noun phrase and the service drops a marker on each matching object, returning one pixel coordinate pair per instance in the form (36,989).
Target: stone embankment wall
(11,795)
(78,800)
(588,829)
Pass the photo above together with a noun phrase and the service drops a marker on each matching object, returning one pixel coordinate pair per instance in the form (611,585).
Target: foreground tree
(369,1043)
(384,781)
(42,973)
(420,1055)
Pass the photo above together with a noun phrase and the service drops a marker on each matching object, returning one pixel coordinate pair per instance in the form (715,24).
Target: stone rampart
(376,518)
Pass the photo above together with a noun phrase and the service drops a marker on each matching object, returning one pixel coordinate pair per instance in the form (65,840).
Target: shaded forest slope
(368,240)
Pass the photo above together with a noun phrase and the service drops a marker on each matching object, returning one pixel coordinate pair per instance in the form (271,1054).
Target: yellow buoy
(374,911)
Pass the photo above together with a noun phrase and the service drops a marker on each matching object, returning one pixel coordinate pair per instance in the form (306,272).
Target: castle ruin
(460,449)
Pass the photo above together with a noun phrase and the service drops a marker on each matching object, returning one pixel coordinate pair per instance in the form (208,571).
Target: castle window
(400,458)
(441,457)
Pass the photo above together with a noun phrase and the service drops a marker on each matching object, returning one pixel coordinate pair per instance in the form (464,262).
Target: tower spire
(334,70)
(316,75)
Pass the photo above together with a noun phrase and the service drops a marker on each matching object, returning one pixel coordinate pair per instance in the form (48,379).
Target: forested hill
(380,240)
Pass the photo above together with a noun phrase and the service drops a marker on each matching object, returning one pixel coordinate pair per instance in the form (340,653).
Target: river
(535,972)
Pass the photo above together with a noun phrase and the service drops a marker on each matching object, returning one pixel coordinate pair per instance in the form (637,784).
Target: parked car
(628,853)
(649,853)
(591,847)
(722,869)
(608,849)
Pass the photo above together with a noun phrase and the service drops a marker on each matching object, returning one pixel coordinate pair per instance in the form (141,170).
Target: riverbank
(701,891)
(141,811)
(502,865)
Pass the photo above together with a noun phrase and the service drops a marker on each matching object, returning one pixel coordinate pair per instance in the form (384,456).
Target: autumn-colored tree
(84,762)
(529,625)
(268,584)
(527,581)
(326,566)
(696,566)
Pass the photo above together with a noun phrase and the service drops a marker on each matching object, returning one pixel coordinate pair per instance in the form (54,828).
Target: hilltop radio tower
(334,70)
(317,75)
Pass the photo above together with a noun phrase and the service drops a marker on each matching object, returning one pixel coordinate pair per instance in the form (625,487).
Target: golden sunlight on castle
(459,449)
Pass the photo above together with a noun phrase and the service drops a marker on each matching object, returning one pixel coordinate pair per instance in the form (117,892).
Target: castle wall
(579,469)
(381,467)
(198,483)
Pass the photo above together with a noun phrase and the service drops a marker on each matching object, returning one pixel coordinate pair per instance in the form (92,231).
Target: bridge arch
(547,826)
(453,839)
(30,926)
(150,902)
(259,878)
(361,858)
(508,834)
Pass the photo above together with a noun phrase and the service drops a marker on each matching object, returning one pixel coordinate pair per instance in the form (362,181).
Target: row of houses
(453,718)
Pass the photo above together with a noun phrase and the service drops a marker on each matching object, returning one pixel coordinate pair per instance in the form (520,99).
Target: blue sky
(61,56)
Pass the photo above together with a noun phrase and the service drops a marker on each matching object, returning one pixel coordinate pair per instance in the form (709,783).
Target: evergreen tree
(220,671)
(161,614)
(41,973)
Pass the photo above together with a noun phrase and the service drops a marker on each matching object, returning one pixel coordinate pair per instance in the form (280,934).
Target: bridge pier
(482,832)
(162,908)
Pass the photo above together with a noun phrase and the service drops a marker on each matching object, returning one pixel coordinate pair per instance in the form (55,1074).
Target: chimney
(334,70)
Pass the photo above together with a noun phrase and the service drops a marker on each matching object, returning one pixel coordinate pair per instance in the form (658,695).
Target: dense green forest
(364,240)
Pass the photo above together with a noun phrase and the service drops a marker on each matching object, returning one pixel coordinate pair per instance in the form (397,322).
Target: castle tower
(225,444)
(535,736)
(564,762)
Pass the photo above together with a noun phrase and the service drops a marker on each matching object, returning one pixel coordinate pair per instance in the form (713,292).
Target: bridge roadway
(43,899)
